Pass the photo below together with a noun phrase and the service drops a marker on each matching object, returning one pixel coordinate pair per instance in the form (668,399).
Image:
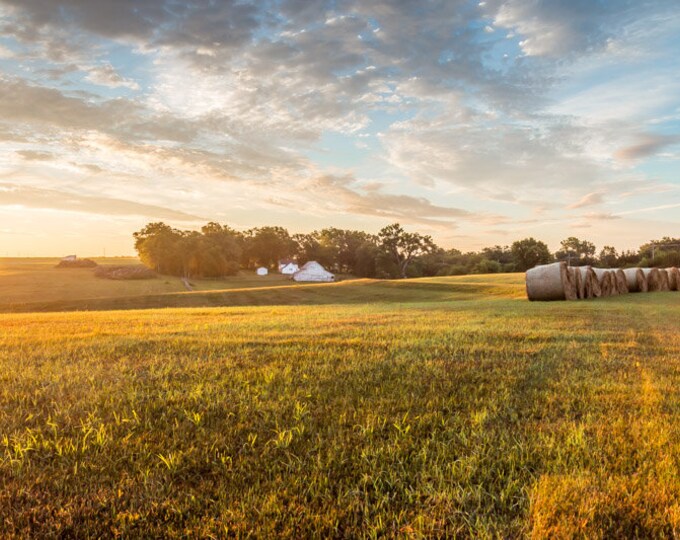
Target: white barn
(289,269)
(313,271)
(262,271)
(288,266)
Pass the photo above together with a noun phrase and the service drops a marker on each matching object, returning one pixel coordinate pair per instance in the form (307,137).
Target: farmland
(414,408)
(36,280)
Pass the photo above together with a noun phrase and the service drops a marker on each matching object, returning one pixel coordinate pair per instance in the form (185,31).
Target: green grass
(34,284)
(424,408)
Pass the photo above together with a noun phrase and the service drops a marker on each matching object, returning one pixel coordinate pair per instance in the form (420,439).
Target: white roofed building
(289,268)
(313,271)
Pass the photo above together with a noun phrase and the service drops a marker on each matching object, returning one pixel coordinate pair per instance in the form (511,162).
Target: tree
(213,252)
(267,245)
(308,248)
(158,246)
(340,247)
(366,260)
(500,254)
(400,248)
(664,252)
(576,252)
(609,258)
(487,266)
(528,253)
(220,250)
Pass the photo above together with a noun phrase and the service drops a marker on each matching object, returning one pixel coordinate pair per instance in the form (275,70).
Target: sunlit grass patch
(482,416)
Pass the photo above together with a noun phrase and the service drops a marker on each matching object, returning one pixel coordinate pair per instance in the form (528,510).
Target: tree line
(219,250)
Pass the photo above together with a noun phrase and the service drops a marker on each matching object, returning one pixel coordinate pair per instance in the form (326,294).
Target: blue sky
(476,122)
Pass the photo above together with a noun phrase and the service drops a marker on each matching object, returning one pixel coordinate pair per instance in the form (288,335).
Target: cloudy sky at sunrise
(476,122)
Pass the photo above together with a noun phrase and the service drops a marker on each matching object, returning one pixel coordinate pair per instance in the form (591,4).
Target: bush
(77,263)
(485,266)
(453,270)
(129,271)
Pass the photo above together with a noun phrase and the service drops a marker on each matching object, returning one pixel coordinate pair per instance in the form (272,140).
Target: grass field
(418,408)
(34,284)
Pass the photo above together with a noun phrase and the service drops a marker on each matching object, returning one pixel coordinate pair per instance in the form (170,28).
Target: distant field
(37,281)
(30,285)
(417,408)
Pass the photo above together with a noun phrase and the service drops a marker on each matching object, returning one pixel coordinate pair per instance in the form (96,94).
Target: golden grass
(37,281)
(432,408)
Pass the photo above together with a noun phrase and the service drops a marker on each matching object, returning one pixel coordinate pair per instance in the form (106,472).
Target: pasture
(35,284)
(415,408)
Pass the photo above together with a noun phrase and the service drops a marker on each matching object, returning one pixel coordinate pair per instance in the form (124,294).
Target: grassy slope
(32,284)
(427,416)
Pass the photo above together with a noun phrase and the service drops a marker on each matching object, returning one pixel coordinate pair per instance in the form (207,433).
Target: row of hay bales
(558,281)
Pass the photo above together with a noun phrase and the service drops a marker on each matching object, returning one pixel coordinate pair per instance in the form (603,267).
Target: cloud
(5,52)
(600,216)
(106,75)
(190,23)
(343,194)
(491,158)
(34,155)
(560,27)
(648,145)
(590,199)
(29,197)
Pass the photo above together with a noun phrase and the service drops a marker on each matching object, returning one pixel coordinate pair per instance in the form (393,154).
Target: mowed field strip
(414,408)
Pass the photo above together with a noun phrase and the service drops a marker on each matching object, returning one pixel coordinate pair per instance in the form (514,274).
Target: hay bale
(127,271)
(635,280)
(664,283)
(579,283)
(655,281)
(620,280)
(550,282)
(589,286)
(594,283)
(673,278)
(607,282)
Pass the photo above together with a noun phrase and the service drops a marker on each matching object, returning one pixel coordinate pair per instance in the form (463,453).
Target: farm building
(69,258)
(288,267)
(313,271)
(262,271)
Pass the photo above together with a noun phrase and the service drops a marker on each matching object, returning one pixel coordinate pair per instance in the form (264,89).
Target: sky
(479,123)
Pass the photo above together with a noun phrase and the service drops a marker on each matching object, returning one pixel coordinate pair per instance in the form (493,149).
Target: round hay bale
(635,279)
(550,282)
(620,280)
(673,278)
(589,284)
(594,283)
(606,280)
(578,282)
(664,284)
(653,279)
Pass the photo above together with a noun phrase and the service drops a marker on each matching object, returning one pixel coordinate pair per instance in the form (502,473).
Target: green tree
(267,245)
(529,252)
(399,248)
(366,260)
(576,252)
(158,247)
(609,258)
(220,250)
(341,247)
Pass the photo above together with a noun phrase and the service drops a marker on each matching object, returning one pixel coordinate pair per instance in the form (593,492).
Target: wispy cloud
(14,195)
